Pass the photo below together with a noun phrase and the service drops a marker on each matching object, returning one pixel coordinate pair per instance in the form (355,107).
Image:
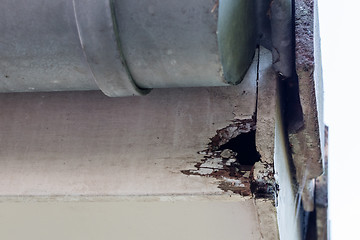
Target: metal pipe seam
(99,37)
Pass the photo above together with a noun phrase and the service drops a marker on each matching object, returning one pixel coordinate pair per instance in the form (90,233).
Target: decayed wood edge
(307,144)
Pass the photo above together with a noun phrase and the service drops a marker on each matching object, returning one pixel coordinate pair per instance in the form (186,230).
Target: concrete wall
(83,166)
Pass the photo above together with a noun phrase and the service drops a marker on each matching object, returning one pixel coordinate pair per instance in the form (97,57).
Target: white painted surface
(287,212)
(340,33)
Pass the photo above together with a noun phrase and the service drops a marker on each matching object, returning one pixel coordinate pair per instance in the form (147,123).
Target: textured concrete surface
(307,143)
(266,108)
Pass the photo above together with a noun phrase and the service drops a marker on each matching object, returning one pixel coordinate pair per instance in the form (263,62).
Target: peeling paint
(228,171)
(232,159)
(224,160)
(214,163)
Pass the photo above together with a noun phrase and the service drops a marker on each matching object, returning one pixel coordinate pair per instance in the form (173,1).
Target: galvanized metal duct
(124,47)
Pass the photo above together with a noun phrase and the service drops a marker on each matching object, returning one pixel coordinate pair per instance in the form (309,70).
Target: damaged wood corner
(232,158)
(307,142)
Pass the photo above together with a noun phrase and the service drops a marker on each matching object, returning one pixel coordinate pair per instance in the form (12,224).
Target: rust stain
(225,164)
(232,175)
(231,157)
(216,5)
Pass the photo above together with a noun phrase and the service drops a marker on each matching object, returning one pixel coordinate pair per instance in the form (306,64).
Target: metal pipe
(124,47)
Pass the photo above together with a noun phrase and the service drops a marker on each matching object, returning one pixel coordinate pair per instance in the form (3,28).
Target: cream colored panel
(129,220)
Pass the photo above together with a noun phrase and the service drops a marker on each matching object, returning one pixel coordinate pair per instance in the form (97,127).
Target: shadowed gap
(245,147)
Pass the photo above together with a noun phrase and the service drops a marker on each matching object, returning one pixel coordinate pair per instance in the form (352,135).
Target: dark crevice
(233,130)
(244,146)
(290,119)
(257,82)
(294,119)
